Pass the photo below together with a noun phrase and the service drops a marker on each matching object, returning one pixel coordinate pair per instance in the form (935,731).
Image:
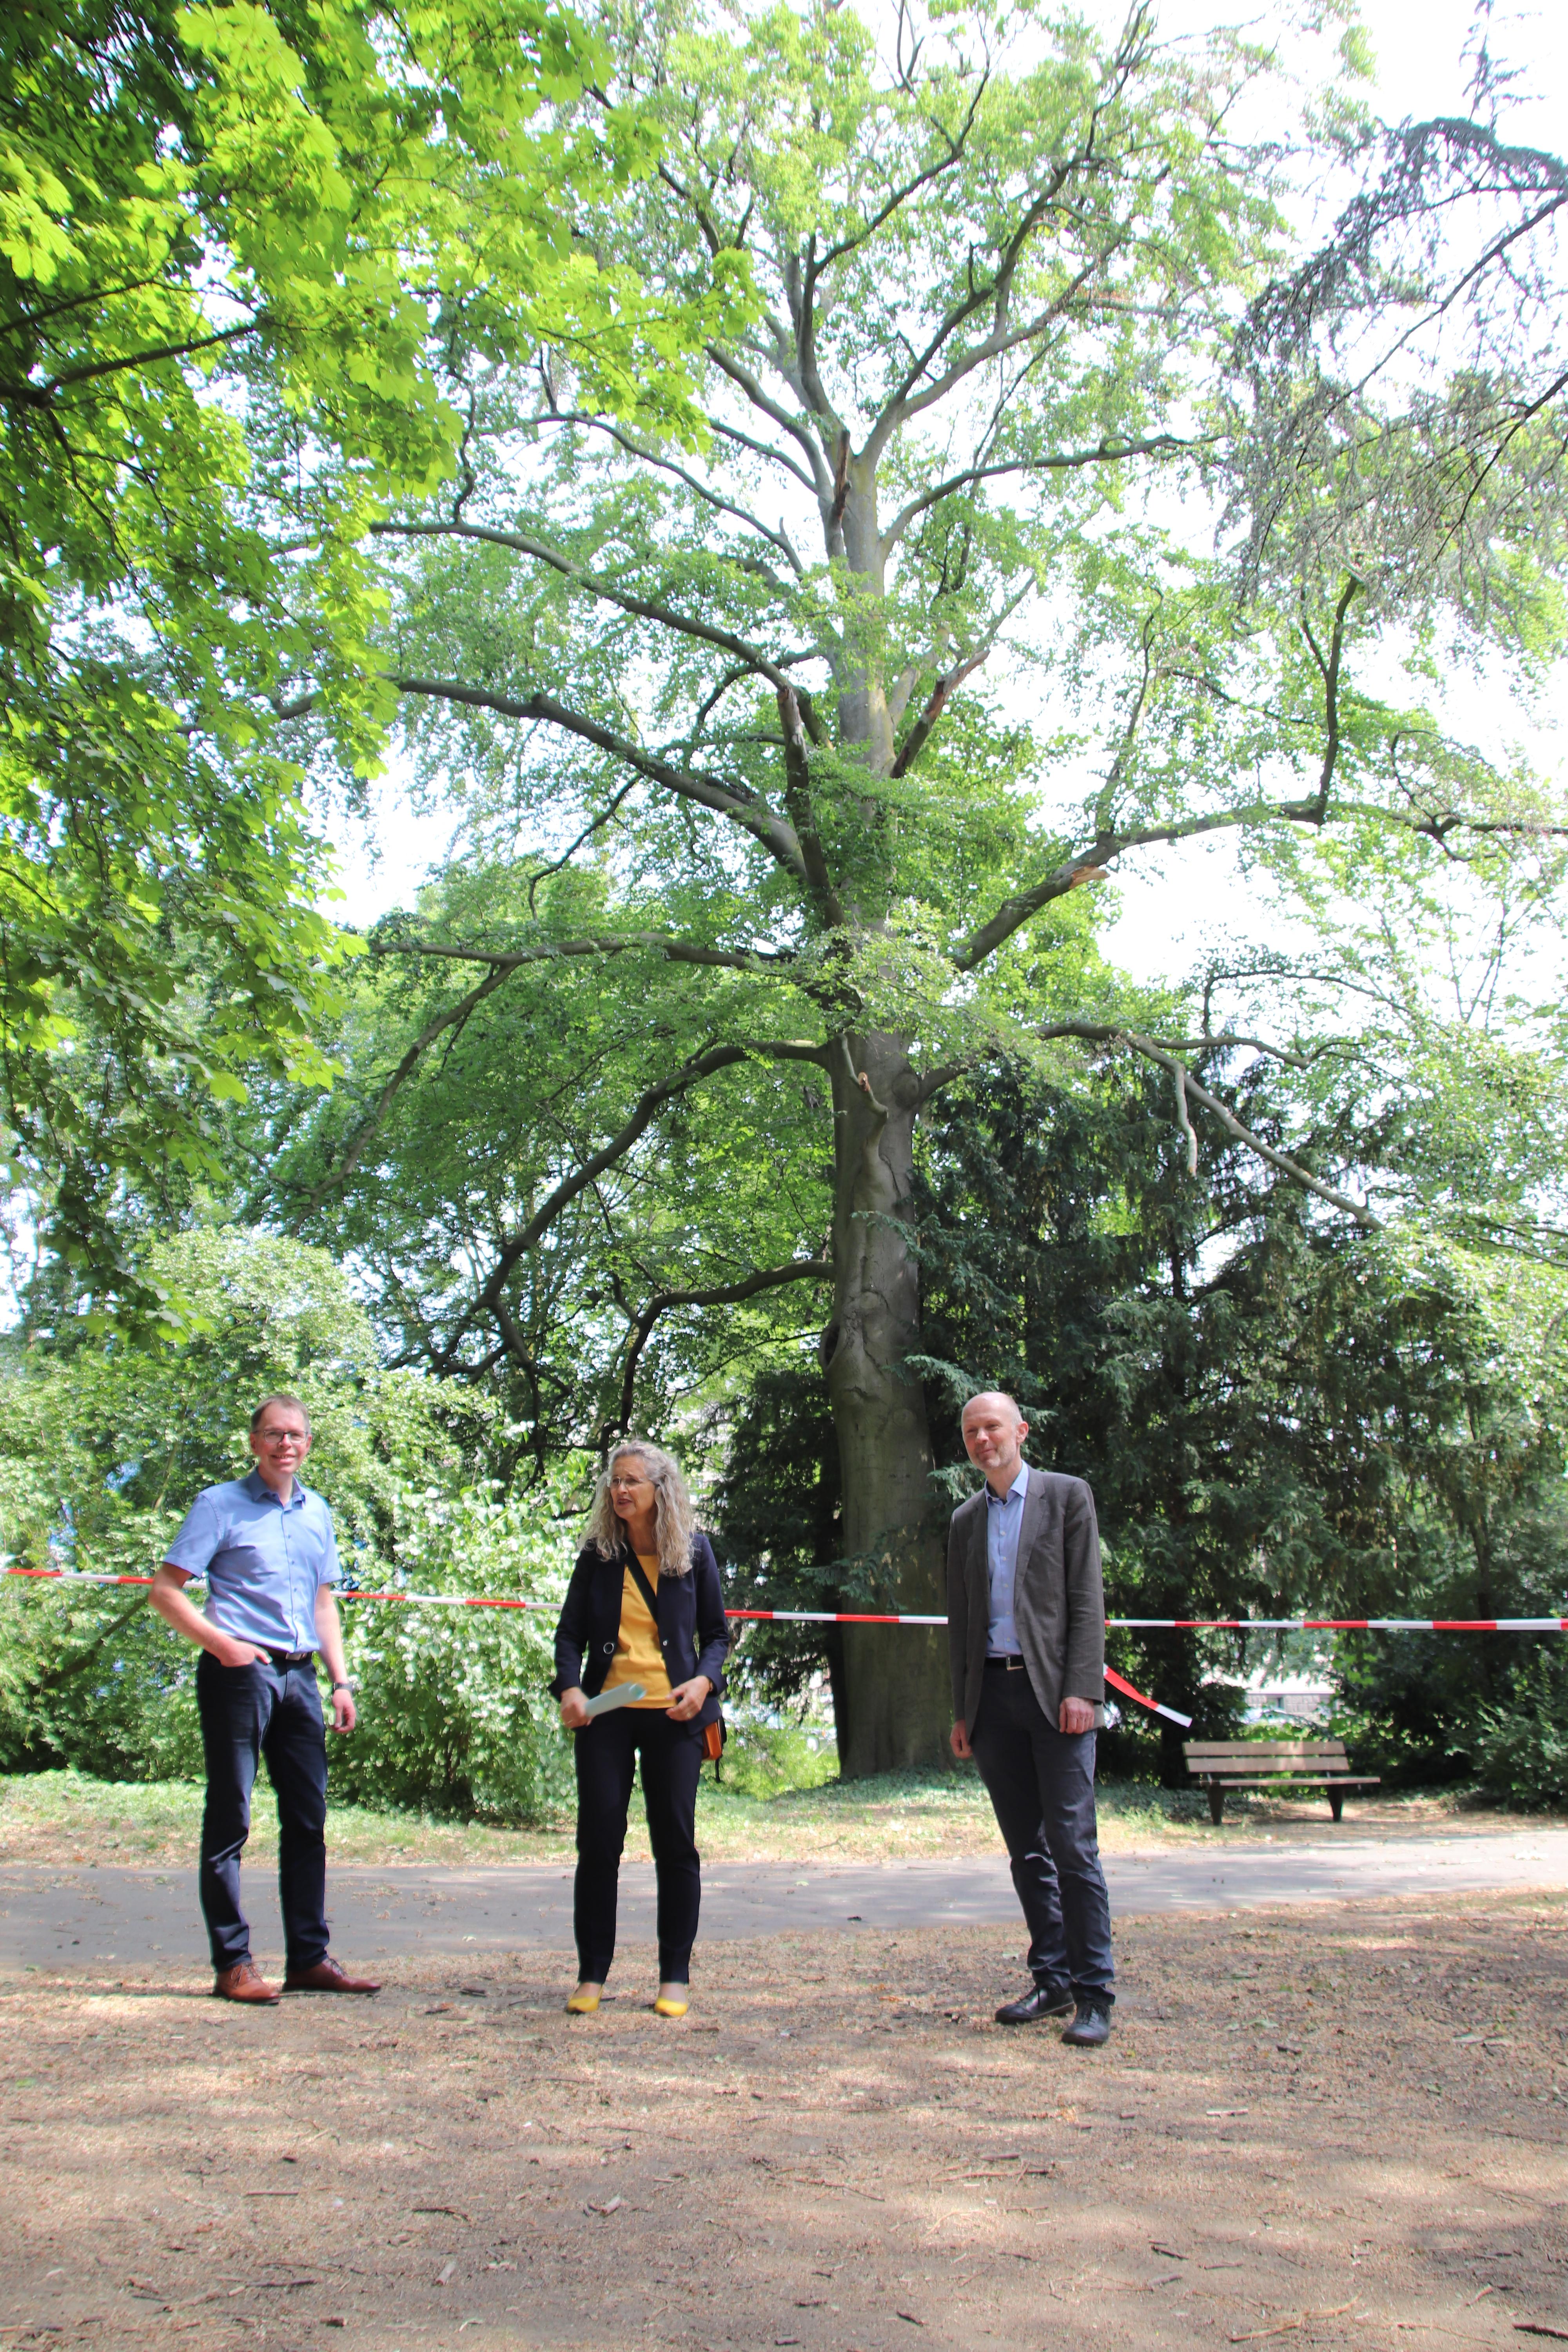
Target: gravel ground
(1336,2126)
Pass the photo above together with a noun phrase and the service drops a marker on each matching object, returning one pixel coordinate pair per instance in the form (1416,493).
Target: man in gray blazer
(1026,1628)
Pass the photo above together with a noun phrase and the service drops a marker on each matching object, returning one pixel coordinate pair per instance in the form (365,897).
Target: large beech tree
(1029,409)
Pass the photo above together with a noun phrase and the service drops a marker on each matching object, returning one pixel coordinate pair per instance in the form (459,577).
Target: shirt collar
(257,1487)
(1020,1486)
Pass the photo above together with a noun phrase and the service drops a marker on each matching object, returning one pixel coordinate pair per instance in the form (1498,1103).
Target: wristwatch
(338,1686)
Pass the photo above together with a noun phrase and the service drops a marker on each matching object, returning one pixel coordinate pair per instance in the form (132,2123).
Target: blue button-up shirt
(264,1563)
(1004,1522)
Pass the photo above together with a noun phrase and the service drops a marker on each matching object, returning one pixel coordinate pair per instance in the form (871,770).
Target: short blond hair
(285,1398)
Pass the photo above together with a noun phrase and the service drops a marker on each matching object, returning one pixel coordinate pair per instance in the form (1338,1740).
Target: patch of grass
(753,1813)
(65,1817)
(898,1814)
(75,1817)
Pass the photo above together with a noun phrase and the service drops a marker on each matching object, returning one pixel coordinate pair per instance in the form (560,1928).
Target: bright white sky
(1420,47)
(1165,912)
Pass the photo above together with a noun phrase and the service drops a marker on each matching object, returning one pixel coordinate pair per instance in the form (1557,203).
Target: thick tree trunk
(896,1687)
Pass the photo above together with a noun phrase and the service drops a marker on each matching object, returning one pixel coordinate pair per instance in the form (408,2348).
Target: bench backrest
(1251,1756)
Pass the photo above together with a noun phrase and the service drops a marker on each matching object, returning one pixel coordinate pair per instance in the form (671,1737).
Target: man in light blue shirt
(1004,1522)
(264,1547)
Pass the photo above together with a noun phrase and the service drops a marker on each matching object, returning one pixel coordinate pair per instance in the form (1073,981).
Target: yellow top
(638,1658)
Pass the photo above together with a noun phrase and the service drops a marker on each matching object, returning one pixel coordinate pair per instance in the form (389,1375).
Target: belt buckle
(1014,1665)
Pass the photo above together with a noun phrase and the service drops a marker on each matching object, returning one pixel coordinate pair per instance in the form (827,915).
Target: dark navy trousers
(1040,1781)
(248,1712)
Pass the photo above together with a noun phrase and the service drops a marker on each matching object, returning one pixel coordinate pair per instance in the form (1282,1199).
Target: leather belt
(1011,1665)
(283,1659)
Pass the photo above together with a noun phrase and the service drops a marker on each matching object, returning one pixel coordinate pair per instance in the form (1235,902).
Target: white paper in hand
(622,1696)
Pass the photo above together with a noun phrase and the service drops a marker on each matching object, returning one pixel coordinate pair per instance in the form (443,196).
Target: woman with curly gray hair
(644,1612)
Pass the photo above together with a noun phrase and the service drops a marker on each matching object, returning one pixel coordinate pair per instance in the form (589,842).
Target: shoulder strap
(643,1585)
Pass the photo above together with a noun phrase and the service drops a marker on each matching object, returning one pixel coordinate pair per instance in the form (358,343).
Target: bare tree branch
(901,195)
(919,734)
(505,960)
(742,376)
(1104,453)
(1103,1032)
(709,792)
(1280,1159)
(1184,1119)
(1106,801)
(730,1294)
(797,799)
(43,395)
(996,346)
(594,825)
(993,293)
(649,456)
(1088,863)
(1329,666)
(643,608)
(526,1236)
(359,1142)
(763,449)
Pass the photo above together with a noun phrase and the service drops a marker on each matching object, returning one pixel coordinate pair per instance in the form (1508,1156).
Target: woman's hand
(574,1710)
(688,1699)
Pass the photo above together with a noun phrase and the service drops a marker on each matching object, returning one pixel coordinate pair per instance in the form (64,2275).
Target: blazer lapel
(1029,1525)
(978,1566)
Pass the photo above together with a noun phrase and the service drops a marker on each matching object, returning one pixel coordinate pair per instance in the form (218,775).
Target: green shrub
(769,1751)
(1523,1745)
(103,1449)
(455,1717)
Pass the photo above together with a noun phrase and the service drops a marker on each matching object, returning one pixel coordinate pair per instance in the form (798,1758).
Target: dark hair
(284,1397)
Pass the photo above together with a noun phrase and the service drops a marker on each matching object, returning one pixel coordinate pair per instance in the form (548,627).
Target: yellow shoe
(671,2002)
(584,2001)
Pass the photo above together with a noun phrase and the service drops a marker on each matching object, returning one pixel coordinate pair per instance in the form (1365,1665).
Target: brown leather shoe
(327,1976)
(245,1981)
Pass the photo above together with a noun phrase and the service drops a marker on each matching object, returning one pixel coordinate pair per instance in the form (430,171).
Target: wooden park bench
(1277,1766)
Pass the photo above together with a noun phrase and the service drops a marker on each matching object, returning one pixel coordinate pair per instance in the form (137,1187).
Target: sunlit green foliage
(103,1450)
(240,248)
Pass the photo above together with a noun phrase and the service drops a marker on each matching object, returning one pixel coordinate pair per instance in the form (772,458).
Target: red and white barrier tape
(1352,1625)
(876,1617)
(1153,1705)
(869,1617)
(1211,1624)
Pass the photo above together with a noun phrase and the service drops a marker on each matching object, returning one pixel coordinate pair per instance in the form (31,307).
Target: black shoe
(1045,2001)
(1091,2029)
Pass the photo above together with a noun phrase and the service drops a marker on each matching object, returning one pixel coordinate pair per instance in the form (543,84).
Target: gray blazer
(1058,1601)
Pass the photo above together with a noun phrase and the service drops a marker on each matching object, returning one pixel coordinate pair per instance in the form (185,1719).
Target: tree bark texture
(895,1677)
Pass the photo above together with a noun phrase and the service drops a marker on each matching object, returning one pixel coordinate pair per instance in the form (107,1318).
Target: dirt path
(75,1917)
(1338,2125)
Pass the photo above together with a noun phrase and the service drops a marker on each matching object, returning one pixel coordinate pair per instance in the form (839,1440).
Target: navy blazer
(693,1630)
